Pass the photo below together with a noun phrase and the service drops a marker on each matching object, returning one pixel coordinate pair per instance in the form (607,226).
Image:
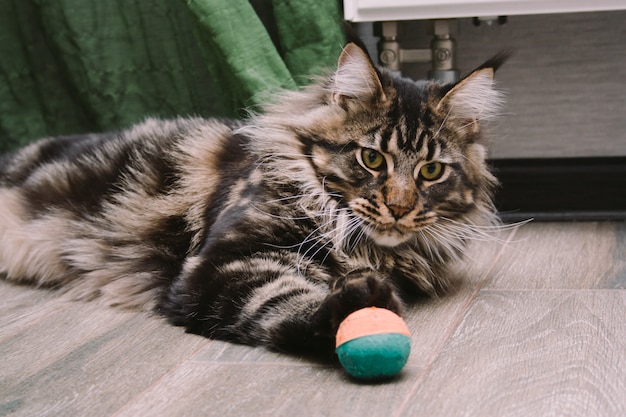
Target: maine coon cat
(267,231)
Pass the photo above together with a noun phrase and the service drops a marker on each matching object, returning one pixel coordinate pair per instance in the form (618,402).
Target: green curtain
(73,66)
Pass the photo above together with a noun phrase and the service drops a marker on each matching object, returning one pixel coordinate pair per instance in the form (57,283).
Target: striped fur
(265,232)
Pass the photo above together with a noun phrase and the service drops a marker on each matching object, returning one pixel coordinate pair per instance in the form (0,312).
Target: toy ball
(373,343)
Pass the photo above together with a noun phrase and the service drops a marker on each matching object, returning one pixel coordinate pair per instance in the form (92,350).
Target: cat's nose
(398,211)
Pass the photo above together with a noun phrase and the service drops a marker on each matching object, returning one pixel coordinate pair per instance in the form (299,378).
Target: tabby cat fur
(268,231)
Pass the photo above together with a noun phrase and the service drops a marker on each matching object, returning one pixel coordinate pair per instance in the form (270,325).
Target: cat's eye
(373,159)
(432,171)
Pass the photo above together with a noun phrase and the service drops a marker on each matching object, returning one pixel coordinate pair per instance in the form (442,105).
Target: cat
(351,192)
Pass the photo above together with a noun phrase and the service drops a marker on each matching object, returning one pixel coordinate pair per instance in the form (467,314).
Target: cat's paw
(356,292)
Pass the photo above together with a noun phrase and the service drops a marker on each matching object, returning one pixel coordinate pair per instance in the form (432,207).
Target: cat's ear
(475,97)
(355,78)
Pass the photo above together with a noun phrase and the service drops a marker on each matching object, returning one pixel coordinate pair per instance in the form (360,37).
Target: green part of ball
(375,356)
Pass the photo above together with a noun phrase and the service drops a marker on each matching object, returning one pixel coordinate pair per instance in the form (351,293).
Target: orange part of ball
(368,321)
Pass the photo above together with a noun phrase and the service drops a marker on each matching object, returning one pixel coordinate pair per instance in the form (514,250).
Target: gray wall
(566,84)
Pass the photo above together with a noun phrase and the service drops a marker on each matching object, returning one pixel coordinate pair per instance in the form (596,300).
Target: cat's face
(407,155)
(402,190)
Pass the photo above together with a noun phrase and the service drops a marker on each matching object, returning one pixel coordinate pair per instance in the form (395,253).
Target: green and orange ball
(373,343)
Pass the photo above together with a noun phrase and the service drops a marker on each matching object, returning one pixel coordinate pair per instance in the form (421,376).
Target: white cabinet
(381,10)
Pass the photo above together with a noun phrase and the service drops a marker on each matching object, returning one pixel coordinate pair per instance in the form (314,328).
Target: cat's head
(401,155)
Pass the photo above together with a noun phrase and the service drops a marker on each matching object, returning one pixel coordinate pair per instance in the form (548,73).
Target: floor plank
(563,256)
(212,389)
(531,354)
(21,307)
(88,360)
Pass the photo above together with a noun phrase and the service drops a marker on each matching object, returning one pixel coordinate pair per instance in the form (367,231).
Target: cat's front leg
(350,293)
(261,298)
(264,299)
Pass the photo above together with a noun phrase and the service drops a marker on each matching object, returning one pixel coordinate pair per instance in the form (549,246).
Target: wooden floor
(537,327)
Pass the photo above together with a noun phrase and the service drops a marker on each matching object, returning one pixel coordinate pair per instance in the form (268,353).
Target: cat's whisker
(442,240)
(422,238)
(466,231)
(442,123)
(483,118)
(294,155)
(488,227)
(271,245)
(313,235)
(320,238)
(352,226)
(299,197)
(291,197)
(461,233)
(306,255)
(276,216)
(270,158)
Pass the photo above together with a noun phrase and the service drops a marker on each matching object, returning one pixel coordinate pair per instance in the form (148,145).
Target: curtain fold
(73,66)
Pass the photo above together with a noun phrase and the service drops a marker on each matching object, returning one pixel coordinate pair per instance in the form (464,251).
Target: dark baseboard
(561,189)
